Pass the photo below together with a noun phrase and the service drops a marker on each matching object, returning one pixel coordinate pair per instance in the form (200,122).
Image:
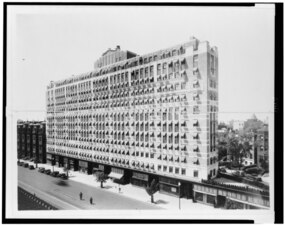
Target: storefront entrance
(120,176)
(169,186)
(49,159)
(221,201)
(73,164)
(83,167)
(140,179)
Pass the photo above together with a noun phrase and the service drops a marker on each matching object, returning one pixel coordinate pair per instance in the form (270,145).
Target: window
(176,170)
(164,139)
(195,173)
(164,116)
(195,109)
(195,61)
(183,85)
(170,139)
(151,71)
(170,127)
(170,113)
(164,68)
(159,167)
(170,169)
(170,67)
(212,64)
(158,69)
(146,72)
(183,171)
(176,139)
(176,114)
(164,127)
(164,168)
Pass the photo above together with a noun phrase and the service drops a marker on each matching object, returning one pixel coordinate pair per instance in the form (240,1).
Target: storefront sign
(140,176)
(83,164)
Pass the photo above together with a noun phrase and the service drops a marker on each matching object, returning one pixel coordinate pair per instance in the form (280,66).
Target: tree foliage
(238,150)
(101,177)
(152,189)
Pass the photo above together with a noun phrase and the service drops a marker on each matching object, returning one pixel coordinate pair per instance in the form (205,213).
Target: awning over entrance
(115,175)
(49,156)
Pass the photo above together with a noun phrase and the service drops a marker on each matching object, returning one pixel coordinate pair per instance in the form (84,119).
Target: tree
(264,165)
(236,150)
(152,189)
(101,177)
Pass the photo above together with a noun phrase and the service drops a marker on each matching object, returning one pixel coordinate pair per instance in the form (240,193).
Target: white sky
(54,42)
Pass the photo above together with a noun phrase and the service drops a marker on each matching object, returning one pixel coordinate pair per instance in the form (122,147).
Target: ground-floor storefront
(214,195)
(140,179)
(228,199)
(83,167)
(120,176)
(49,159)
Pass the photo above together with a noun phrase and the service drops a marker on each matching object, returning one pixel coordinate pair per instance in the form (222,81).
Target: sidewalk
(131,191)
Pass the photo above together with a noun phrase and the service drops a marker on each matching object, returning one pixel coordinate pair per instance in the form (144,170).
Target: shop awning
(115,175)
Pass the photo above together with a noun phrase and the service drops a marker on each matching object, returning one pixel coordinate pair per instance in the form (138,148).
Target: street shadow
(161,202)
(107,187)
(62,183)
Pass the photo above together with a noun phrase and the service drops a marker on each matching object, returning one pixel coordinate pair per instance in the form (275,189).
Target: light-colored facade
(154,113)
(238,125)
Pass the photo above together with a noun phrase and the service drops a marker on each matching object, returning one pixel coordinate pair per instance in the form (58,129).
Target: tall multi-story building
(140,117)
(32,140)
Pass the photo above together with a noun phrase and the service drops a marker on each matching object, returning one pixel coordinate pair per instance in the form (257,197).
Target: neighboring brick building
(261,146)
(144,117)
(32,140)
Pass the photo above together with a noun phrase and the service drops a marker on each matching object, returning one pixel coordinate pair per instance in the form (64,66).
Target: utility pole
(179,184)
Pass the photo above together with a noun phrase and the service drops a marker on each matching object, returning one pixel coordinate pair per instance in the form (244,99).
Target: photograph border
(278,114)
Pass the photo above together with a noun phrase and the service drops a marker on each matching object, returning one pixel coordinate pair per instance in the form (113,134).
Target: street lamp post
(36,161)
(179,184)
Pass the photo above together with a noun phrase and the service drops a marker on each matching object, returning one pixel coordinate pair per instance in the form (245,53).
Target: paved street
(67,196)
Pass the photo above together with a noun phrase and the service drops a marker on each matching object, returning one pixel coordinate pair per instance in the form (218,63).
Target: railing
(236,188)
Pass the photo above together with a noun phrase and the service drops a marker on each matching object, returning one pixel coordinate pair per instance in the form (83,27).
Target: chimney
(118,47)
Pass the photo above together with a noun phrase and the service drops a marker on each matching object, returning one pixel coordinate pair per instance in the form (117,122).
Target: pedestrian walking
(80,195)
(91,201)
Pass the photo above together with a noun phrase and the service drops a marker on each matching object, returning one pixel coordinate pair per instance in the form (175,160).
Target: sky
(55,42)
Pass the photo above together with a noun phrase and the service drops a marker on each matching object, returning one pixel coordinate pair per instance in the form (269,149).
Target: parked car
(31,160)
(54,174)
(41,170)
(48,172)
(62,175)
(21,164)
(26,165)
(31,167)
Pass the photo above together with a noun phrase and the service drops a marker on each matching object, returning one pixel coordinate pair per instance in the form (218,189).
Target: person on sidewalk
(80,195)
(91,201)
